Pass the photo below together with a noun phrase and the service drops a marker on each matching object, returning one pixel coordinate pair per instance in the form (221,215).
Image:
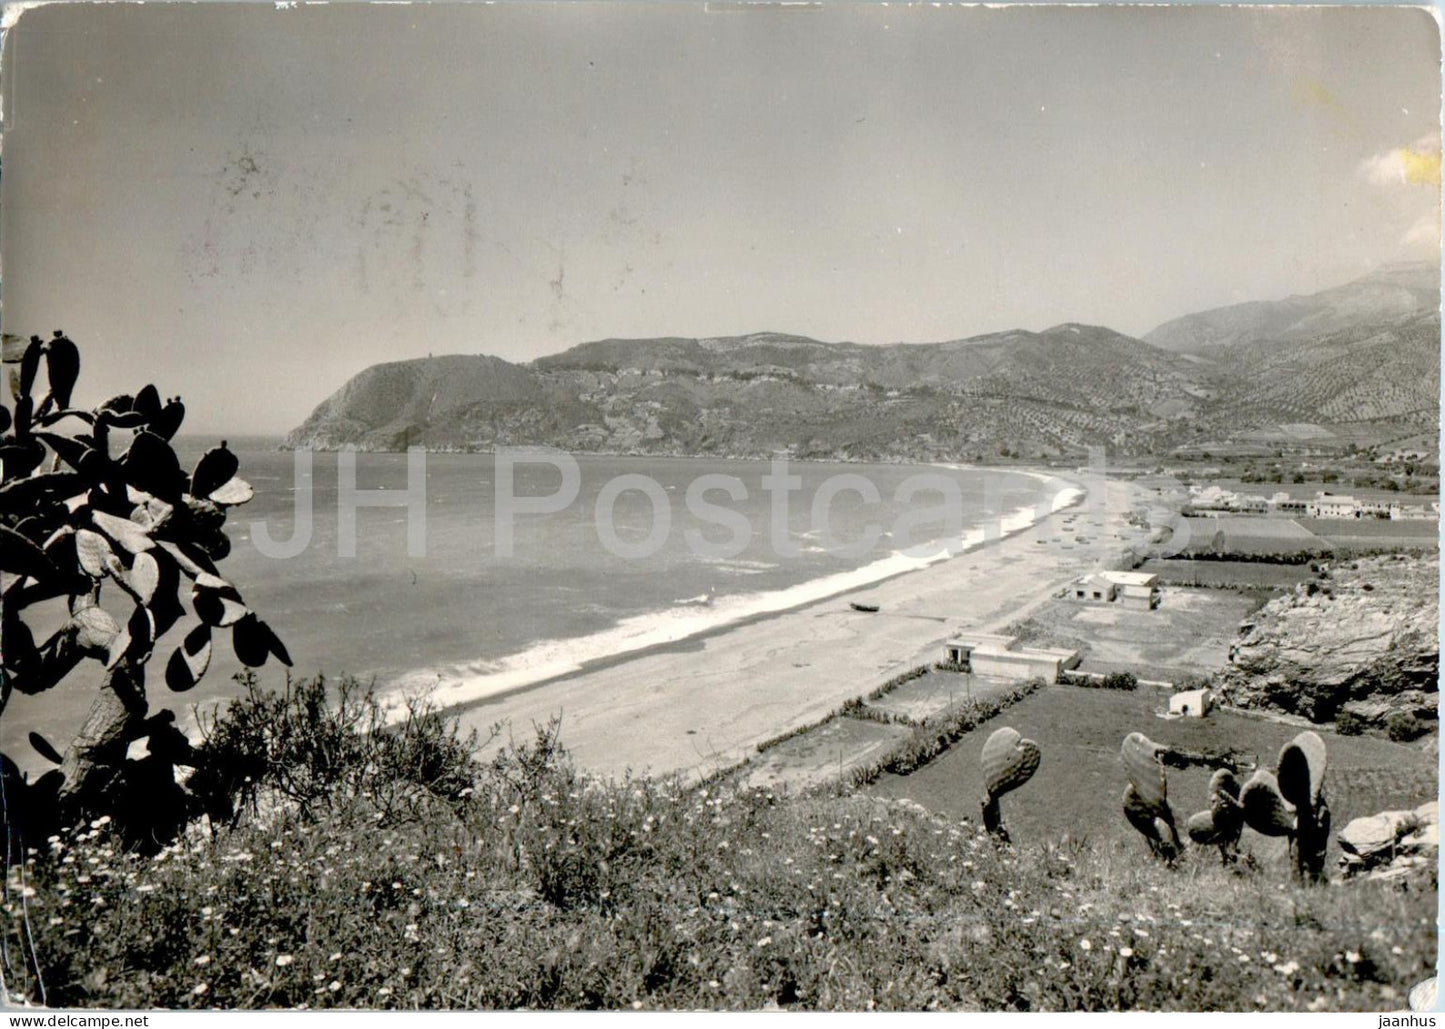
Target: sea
(583,582)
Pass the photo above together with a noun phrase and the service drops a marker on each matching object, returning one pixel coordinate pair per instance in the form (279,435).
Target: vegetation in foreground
(390,869)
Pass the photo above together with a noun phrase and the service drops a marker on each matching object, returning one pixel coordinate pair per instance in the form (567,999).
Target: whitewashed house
(1191,703)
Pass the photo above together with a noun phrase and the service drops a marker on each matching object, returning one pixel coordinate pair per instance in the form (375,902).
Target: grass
(1226,574)
(1423,532)
(1079,785)
(535,886)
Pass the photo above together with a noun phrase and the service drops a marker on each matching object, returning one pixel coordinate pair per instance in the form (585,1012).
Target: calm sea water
(461,611)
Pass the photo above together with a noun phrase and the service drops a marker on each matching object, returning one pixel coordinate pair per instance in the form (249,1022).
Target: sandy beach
(703,704)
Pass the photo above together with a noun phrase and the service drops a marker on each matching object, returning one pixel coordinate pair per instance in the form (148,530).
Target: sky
(248,205)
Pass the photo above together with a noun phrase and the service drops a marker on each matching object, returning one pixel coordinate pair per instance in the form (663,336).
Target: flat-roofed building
(1336,505)
(1134,589)
(1002,657)
(1191,703)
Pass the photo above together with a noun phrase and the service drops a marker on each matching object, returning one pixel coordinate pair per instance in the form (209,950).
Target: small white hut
(1191,703)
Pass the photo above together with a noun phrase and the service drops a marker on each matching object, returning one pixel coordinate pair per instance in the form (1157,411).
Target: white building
(1002,657)
(1335,505)
(1132,589)
(1191,703)
(1413,512)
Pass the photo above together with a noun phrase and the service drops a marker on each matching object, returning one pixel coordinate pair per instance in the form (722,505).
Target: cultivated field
(1227,573)
(823,754)
(1078,788)
(1243,534)
(1374,533)
(937,692)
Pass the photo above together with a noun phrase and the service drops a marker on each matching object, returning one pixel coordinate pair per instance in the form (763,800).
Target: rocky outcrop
(1364,638)
(1391,843)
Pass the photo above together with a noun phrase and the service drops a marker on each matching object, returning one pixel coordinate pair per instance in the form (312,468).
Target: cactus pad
(1146,774)
(1265,809)
(1008,761)
(1302,770)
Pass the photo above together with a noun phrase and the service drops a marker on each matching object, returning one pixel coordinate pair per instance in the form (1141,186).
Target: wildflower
(1288,968)
(714,983)
(200,989)
(335,957)
(1244,959)
(202,961)
(282,960)
(1085,945)
(1352,956)
(765,941)
(101,822)
(1126,952)
(385,991)
(334,985)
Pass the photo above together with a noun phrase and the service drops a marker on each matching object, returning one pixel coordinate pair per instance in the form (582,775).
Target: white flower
(765,941)
(282,960)
(1288,968)
(1126,952)
(1352,956)
(200,989)
(203,960)
(1085,945)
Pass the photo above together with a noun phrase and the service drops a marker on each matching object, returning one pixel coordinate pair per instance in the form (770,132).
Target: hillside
(419,878)
(764,393)
(1356,364)
(1391,293)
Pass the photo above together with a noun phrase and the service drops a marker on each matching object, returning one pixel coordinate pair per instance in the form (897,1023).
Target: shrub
(1402,727)
(1112,681)
(1347,723)
(313,746)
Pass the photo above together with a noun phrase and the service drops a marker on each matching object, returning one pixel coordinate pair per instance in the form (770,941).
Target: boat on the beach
(869,608)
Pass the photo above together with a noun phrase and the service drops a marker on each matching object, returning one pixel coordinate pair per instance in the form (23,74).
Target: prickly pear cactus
(1301,783)
(1155,822)
(1223,823)
(1008,762)
(1144,769)
(1265,809)
(94,505)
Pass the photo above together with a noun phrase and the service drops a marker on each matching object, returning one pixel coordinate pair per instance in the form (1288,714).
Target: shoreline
(493,686)
(694,704)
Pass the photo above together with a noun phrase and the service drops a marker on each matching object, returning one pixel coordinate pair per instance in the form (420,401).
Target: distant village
(1323,505)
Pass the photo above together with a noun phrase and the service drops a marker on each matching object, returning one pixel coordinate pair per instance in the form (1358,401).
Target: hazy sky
(247,205)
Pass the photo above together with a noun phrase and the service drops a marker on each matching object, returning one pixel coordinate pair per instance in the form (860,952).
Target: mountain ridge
(1390,291)
(1053,391)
